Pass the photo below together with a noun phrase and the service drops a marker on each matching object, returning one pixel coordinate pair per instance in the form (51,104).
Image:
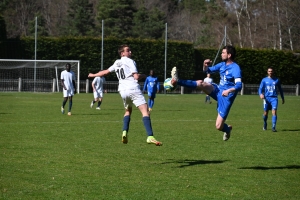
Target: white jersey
(68,77)
(124,69)
(208,80)
(98,83)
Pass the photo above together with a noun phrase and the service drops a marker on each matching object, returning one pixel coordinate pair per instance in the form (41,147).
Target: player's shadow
(269,168)
(189,163)
(290,129)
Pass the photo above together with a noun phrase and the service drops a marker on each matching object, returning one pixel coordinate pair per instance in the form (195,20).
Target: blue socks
(148,127)
(126,121)
(187,83)
(150,103)
(274,120)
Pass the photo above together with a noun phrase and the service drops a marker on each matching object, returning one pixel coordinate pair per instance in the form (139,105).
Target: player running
(129,89)
(224,93)
(268,92)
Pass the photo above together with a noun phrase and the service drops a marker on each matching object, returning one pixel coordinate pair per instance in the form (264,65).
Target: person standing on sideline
(68,83)
(210,81)
(151,85)
(129,89)
(268,92)
(98,90)
(224,93)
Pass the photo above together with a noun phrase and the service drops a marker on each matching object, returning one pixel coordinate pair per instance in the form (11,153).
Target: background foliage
(150,54)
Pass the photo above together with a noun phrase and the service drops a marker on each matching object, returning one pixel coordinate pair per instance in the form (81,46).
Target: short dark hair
(121,48)
(68,65)
(230,49)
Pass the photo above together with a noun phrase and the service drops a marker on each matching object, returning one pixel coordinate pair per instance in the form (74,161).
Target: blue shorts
(224,103)
(270,103)
(151,95)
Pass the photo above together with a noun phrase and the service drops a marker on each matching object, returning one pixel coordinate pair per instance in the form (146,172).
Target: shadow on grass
(290,129)
(268,168)
(188,163)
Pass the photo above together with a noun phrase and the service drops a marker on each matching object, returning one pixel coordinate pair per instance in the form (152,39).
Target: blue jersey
(228,75)
(269,87)
(151,84)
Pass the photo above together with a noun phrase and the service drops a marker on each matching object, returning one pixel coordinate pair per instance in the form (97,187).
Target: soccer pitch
(48,155)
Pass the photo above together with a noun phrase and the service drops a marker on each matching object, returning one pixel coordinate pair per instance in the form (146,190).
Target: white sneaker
(91,105)
(226,136)
(174,74)
(98,108)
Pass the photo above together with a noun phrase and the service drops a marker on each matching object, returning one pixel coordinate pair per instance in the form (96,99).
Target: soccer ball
(168,86)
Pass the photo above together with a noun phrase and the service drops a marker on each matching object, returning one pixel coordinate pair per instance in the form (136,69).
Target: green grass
(47,155)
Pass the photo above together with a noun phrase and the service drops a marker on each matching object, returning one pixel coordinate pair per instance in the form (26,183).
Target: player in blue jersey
(267,91)
(224,93)
(151,85)
(130,92)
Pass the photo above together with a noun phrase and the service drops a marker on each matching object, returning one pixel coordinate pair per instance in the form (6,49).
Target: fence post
(181,90)
(87,86)
(53,85)
(297,90)
(20,85)
(242,90)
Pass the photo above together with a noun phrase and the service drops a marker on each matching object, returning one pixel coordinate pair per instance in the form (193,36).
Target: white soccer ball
(168,86)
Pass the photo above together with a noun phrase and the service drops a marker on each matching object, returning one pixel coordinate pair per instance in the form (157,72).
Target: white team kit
(208,80)
(68,77)
(129,88)
(98,84)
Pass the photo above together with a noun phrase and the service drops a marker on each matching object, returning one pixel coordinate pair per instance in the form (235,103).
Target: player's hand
(225,93)
(206,63)
(90,75)
(262,96)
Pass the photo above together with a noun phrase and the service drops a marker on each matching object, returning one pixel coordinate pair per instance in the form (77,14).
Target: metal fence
(27,85)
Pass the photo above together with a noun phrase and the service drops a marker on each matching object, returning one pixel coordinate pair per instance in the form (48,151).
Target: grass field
(47,155)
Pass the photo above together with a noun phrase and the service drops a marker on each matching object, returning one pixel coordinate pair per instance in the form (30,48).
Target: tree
(149,24)
(41,22)
(118,17)
(80,21)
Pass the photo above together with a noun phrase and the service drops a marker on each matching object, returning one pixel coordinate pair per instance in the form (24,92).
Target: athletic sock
(64,103)
(274,121)
(265,118)
(148,127)
(126,121)
(70,105)
(225,128)
(99,103)
(187,83)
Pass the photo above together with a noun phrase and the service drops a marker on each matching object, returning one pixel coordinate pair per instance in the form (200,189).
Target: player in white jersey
(97,85)
(129,89)
(68,83)
(210,81)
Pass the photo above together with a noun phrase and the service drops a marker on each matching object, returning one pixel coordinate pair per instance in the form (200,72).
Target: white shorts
(98,94)
(130,97)
(68,93)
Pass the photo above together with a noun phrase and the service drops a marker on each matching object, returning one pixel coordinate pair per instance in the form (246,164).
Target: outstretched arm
(101,73)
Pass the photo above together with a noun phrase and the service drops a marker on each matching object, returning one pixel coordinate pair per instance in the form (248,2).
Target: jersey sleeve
(261,87)
(214,68)
(280,90)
